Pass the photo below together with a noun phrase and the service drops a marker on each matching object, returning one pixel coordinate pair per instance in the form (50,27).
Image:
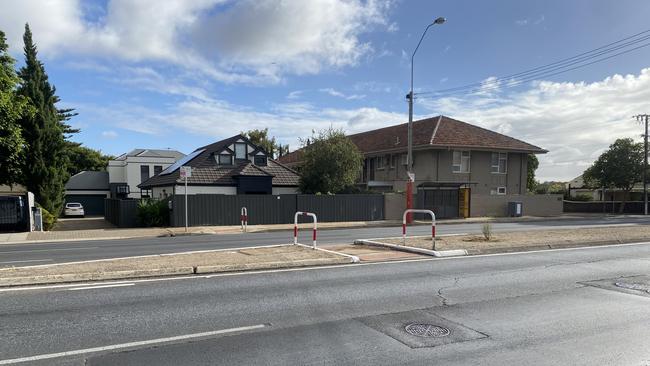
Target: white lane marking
(128,345)
(46,250)
(349,265)
(26,261)
(100,286)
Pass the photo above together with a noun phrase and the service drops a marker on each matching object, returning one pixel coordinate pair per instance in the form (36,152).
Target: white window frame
(501,191)
(462,164)
(405,159)
(243,145)
(500,157)
(391,161)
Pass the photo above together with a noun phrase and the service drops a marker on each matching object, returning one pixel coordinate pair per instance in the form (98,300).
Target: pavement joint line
(325,267)
(100,286)
(112,347)
(353,258)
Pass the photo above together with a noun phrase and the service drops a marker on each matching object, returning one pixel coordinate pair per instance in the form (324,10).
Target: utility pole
(409,156)
(644,118)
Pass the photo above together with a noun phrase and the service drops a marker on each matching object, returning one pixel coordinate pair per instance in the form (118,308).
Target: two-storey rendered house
(453,161)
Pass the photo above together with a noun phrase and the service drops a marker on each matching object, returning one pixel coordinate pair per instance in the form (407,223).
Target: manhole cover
(633,286)
(426,330)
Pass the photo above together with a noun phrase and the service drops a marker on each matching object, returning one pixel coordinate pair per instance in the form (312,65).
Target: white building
(130,169)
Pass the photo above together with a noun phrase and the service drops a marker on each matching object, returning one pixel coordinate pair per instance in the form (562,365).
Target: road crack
(442,297)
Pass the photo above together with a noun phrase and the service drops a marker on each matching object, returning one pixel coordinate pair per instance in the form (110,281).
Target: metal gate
(13,213)
(442,201)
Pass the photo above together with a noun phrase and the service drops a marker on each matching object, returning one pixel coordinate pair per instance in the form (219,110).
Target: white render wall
(285,190)
(128,171)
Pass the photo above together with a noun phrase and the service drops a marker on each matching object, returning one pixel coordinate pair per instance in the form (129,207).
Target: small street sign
(411,176)
(186,172)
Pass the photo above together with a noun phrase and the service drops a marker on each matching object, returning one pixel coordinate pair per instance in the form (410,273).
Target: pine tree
(44,170)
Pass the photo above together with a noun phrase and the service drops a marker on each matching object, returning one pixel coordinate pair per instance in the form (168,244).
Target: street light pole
(644,118)
(409,157)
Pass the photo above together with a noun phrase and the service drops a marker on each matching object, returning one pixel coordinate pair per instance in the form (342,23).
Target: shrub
(487,231)
(582,197)
(153,212)
(48,219)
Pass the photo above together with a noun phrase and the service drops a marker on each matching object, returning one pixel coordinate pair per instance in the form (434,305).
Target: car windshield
(73,205)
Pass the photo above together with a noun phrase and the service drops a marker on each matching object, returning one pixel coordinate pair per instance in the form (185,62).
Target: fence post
(295,227)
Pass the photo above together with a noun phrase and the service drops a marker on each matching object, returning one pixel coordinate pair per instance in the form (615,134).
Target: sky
(182,74)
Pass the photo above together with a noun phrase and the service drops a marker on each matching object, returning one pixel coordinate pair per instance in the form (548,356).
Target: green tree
(12,108)
(45,169)
(269,144)
(331,163)
(621,166)
(82,158)
(532,166)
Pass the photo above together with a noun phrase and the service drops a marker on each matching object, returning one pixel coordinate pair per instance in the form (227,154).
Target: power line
(554,68)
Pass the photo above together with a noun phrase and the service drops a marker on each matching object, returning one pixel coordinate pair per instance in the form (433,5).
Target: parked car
(74,209)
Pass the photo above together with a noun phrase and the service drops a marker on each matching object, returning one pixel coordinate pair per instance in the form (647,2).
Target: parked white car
(74,209)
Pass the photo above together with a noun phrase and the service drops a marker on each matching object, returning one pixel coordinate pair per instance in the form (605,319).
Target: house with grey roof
(231,166)
(90,189)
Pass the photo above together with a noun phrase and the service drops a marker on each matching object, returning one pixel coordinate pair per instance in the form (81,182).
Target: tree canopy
(331,163)
(269,144)
(532,166)
(621,166)
(82,158)
(12,108)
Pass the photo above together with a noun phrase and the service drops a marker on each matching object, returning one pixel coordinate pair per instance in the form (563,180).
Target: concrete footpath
(117,233)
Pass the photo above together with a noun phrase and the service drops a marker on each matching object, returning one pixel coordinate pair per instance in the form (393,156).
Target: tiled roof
(205,170)
(438,131)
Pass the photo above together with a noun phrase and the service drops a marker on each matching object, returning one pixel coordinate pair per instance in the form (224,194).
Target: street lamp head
(440,20)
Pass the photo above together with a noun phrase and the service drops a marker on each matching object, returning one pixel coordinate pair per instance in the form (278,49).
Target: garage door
(93,203)
(443,202)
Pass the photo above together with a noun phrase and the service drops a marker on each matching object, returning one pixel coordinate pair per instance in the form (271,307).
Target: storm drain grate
(633,286)
(426,330)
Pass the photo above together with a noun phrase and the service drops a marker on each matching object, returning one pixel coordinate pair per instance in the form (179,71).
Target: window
(144,173)
(157,169)
(224,159)
(405,159)
(260,160)
(240,151)
(381,163)
(498,191)
(499,162)
(460,163)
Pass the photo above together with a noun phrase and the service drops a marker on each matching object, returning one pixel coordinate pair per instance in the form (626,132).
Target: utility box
(515,209)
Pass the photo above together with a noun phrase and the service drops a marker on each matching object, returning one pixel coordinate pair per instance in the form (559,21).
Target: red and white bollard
(244,219)
(295,227)
(433,224)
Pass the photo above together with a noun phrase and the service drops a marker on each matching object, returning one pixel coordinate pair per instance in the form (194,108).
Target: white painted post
(295,227)
(185,172)
(433,224)
(244,219)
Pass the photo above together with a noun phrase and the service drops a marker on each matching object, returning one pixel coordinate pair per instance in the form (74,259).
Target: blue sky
(182,74)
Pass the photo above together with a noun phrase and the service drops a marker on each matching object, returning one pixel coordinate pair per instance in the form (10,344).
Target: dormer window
(260,160)
(240,151)
(224,159)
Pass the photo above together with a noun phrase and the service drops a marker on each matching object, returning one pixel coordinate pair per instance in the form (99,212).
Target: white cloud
(335,93)
(521,22)
(109,134)
(245,41)
(574,121)
(296,94)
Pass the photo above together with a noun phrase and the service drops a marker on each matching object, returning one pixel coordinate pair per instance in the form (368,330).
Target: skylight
(184,160)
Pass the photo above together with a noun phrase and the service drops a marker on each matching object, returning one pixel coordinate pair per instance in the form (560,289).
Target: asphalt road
(534,308)
(58,252)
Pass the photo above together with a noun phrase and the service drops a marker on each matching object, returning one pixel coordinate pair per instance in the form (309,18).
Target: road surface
(534,308)
(58,252)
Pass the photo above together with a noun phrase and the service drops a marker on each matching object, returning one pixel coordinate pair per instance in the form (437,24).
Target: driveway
(82,223)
